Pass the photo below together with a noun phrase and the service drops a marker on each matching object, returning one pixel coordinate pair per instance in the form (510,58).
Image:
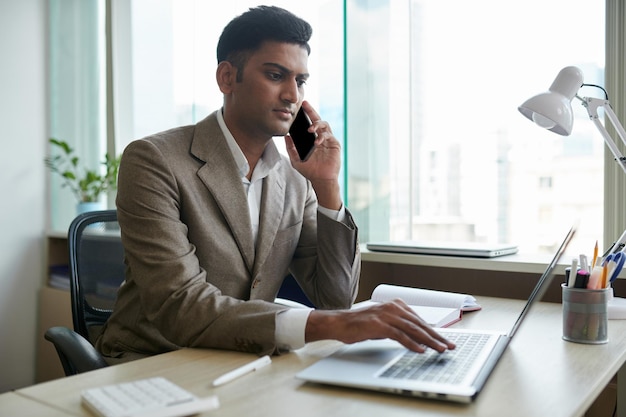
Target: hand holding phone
(303,140)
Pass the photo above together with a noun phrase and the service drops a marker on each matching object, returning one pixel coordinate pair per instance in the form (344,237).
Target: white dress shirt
(290,324)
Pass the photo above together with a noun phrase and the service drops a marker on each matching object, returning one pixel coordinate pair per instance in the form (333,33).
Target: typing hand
(393,320)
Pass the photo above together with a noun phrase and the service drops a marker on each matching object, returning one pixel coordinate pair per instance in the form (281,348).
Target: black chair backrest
(96,269)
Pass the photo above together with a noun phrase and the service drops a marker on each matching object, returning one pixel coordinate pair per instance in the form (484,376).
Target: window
(436,146)
(423,94)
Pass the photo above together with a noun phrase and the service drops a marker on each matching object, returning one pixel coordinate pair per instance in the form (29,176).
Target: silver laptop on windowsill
(468,249)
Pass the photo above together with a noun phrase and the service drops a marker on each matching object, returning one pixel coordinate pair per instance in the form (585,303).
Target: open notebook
(457,375)
(437,308)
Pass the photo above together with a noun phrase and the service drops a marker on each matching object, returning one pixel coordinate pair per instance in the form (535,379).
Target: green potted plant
(86,185)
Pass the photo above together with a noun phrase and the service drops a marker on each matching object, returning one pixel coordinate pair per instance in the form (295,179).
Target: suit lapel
(221,177)
(272,207)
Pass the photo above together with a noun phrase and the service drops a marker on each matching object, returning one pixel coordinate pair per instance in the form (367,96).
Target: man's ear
(226,75)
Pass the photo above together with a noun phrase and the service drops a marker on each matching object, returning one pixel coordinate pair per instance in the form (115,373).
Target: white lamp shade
(553,109)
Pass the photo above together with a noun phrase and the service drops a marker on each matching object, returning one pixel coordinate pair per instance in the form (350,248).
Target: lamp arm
(592,105)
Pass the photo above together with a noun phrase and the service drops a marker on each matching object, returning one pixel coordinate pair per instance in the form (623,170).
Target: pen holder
(585,315)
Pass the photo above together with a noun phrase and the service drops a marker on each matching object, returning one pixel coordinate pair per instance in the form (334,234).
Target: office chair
(96,272)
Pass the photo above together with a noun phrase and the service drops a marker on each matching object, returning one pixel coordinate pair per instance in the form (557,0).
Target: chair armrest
(77,355)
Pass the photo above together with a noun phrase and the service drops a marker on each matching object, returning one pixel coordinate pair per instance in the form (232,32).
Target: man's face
(264,103)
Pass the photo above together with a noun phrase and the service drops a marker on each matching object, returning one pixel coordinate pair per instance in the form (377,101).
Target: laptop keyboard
(448,367)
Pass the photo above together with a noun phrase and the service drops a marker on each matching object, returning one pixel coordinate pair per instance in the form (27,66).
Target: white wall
(22,188)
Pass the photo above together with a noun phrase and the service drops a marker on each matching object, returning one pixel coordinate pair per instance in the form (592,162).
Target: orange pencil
(595,255)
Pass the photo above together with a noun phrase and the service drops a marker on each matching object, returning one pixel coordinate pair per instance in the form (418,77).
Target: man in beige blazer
(213,218)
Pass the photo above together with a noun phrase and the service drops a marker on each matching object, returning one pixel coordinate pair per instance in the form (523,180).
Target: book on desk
(437,308)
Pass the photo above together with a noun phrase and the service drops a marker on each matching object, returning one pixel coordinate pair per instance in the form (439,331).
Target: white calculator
(154,397)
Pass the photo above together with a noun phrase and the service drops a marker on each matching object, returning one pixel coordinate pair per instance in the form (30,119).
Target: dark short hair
(248,31)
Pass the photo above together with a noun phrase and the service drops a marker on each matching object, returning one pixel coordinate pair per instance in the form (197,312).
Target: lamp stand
(592,105)
(617,306)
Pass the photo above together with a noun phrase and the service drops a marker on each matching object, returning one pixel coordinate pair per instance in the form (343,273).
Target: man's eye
(274,76)
(301,83)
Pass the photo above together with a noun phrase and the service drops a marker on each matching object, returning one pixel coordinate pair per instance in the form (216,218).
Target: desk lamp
(552,110)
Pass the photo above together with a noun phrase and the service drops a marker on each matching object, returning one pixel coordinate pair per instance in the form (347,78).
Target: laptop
(380,364)
(470,249)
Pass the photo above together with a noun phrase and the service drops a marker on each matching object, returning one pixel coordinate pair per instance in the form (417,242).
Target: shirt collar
(268,160)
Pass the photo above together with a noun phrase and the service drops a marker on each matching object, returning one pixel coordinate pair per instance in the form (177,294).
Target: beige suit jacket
(193,275)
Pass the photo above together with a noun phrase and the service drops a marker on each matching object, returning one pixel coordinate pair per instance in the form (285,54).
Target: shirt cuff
(290,325)
(337,215)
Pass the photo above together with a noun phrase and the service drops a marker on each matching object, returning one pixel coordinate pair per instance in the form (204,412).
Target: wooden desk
(539,375)
(12,404)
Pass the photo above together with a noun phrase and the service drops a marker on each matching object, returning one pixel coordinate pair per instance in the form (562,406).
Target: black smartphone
(302,138)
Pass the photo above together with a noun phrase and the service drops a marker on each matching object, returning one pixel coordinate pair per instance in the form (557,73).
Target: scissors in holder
(614,263)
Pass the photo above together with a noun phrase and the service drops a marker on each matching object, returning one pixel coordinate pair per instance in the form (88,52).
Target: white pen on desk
(236,373)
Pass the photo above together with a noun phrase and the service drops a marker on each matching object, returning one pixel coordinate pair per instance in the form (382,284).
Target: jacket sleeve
(327,260)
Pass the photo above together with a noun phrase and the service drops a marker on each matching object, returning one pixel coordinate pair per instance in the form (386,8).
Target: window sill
(526,263)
